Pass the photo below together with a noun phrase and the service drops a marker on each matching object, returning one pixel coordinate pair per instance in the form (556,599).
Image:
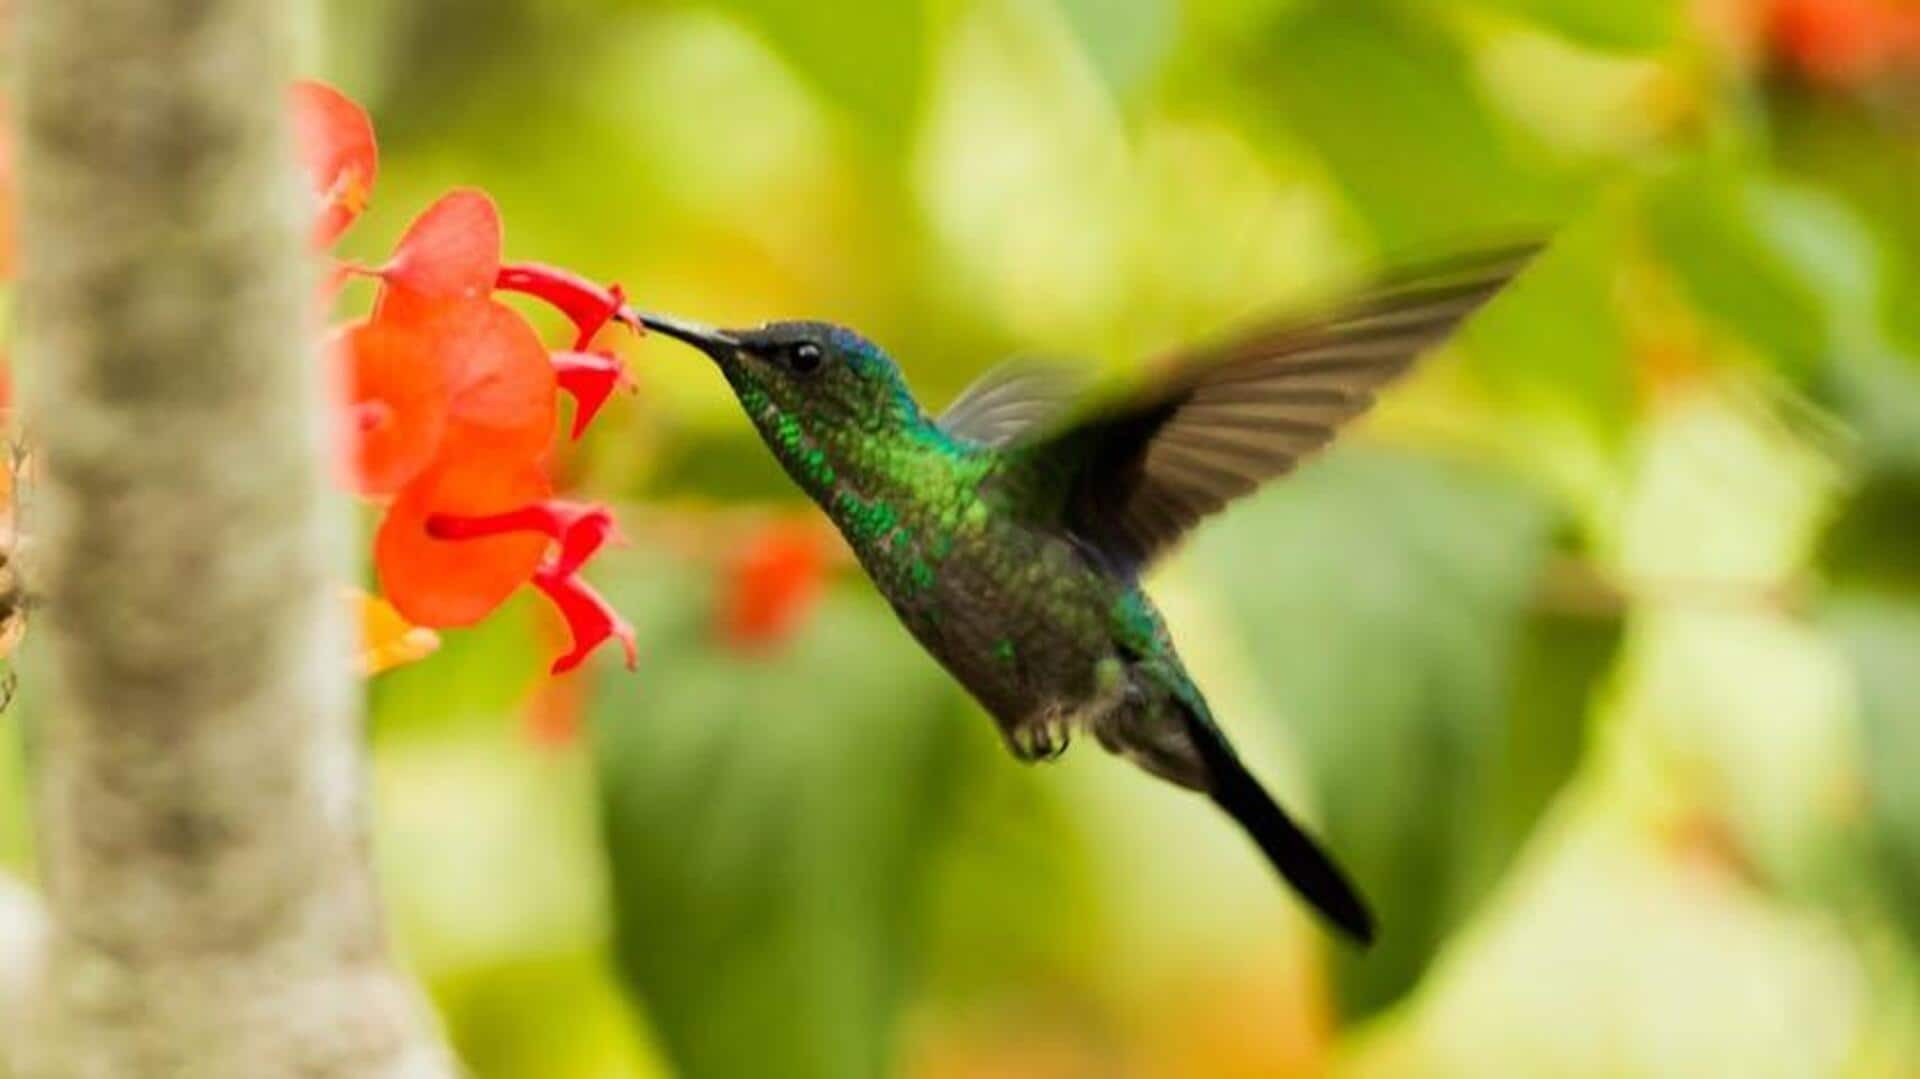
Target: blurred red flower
(772,583)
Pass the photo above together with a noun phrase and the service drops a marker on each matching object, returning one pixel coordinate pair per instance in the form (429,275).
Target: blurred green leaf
(1561,660)
(1787,268)
(732,464)
(1870,543)
(1610,953)
(1637,25)
(1881,639)
(487,813)
(479,675)
(1847,147)
(1017,904)
(1386,598)
(501,1019)
(1125,39)
(1554,342)
(1393,107)
(868,59)
(770,822)
(1857,149)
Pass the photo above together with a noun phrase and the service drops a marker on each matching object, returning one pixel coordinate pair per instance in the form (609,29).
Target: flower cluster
(450,400)
(1844,43)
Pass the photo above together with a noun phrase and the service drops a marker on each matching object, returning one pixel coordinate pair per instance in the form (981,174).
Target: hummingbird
(1009,533)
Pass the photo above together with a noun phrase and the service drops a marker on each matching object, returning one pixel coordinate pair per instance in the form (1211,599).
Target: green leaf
(1609,954)
(1016,898)
(1787,268)
(1554,342)
(1125,39)
(505,1020)
(1881,639)
(1562,657)
(1386,598)
(479,677)
(868,59)
(1394,109)
(771,821)
(1626,25)
(1869,545)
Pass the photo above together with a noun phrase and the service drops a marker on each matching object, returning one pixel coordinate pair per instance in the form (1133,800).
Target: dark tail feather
(1293,852)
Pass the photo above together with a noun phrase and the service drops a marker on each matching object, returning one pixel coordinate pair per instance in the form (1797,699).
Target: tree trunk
(199,790)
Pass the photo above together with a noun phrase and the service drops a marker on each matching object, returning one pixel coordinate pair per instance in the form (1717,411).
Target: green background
(1595,653)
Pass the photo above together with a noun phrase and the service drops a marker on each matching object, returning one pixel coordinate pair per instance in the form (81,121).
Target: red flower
(452,397)
(450,252)
(591,620)
(589,306)
(500,383)
(438,581)
(397,403)
(590,378)
(336,144)
(579,530)
(772,584)
(1844,42)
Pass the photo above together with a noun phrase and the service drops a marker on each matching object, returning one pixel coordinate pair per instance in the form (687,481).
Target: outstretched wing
(1222,420)
(1011,401)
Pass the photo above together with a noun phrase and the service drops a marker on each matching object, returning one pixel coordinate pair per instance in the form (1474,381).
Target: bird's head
(814,374)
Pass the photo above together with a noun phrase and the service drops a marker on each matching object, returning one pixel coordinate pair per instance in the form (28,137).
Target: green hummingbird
(1009,533)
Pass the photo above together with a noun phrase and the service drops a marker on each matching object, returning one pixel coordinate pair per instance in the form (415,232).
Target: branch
(199,795)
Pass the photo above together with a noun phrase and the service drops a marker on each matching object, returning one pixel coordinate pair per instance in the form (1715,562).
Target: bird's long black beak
(705,338)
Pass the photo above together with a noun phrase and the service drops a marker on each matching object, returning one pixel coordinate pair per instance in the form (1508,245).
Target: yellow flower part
(387,639)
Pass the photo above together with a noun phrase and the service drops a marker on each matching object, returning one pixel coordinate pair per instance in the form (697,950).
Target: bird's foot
(1042,738)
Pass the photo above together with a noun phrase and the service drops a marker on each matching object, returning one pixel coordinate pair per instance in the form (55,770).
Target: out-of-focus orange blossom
(771,584)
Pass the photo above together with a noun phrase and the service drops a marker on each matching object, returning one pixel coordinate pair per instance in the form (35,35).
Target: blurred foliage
(1595,656)
(1411,764)
(773,838)
(1592,667)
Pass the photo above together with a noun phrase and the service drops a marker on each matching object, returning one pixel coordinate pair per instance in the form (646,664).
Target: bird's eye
(806,358)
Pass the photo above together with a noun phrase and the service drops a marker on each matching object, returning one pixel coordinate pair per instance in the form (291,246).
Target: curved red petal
(337,147)
(501,385)
(451,251)
(588,305)
(590,619)
(590,378)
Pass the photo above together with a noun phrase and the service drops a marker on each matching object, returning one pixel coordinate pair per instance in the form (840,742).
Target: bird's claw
(1043,738)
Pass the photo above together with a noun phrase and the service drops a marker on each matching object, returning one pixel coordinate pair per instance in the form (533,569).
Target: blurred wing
(1221,421)
(1009,401)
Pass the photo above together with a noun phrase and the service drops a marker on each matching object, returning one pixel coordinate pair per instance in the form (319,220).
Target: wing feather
(1010,401)
(1221,421)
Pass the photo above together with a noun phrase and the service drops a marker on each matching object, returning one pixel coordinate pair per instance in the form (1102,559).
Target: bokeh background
(1595,654)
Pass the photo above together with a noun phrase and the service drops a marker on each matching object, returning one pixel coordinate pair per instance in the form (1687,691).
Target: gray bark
(199,782)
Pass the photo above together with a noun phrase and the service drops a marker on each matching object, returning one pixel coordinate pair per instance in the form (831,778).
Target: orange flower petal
(438,582)
(397,403)
(773,584)
(451,251)
(502,388)
(336,144)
